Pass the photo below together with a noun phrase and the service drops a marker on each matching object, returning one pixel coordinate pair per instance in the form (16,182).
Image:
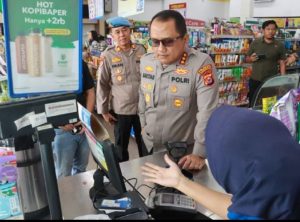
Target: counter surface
(74,190)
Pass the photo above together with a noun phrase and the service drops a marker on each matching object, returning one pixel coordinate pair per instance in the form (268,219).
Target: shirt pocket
(118,76)
(179,97)
(179,103)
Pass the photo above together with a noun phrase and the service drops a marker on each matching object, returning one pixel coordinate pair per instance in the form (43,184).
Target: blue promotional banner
(43,42)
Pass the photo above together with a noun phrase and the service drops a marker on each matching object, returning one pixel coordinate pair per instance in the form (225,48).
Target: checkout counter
(74,190)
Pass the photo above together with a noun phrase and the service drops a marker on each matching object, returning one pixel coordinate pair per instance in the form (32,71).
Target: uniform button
(119,78)
(178,103)
(173,89)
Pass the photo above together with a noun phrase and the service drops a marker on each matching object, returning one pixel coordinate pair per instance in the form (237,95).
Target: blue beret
(117,22)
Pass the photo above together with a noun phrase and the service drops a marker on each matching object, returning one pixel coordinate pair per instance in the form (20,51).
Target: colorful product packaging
(268,103)
(286,110)
(9,201)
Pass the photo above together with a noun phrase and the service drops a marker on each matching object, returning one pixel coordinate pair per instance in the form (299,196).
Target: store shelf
(291,39)
(233,66)
(237,104)
(292,67)
(233,80)
(293,28)
(232,37)
(228,53)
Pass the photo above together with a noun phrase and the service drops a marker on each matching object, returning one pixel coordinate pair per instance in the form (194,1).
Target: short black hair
(167,15)
(269,22)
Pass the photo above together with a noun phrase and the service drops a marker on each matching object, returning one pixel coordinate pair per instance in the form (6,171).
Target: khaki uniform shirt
(268,66)
(176,102)
(119,79)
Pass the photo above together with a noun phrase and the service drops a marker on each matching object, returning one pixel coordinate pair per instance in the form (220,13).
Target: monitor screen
(102,149)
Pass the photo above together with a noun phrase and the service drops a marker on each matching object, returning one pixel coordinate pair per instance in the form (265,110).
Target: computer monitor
(36,171)
(21,117)
(102,149)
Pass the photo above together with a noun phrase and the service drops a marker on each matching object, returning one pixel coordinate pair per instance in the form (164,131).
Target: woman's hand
(168,177)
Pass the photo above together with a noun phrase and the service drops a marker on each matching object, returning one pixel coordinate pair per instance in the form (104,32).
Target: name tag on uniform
(180,80)
(148,76)
(117,65)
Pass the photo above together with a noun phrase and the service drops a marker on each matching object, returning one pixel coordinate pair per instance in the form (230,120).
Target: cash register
(169,203)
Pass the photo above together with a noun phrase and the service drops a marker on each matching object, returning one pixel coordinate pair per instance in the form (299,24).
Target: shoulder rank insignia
(183,59)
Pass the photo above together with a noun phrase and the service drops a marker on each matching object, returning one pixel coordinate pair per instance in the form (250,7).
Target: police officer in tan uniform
(179,90)
(118,85)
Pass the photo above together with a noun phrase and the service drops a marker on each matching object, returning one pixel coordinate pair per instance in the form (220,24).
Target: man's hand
(291,59)
(82,127)
(109,118)
(191,162)
(67,127)
(169,177)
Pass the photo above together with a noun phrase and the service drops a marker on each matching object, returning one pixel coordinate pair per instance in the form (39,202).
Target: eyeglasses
(167,42)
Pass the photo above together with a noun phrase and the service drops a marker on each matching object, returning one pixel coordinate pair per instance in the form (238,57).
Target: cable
(134,188)
(143,185)
(135,181)
(94,200)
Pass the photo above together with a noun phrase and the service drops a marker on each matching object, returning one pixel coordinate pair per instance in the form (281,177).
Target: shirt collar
(132,47)
(263,40)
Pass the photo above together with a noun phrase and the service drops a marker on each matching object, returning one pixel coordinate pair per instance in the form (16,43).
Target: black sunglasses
(167,42)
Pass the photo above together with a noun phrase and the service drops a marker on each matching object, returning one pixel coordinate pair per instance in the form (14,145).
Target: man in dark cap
(118,84)
(253,157)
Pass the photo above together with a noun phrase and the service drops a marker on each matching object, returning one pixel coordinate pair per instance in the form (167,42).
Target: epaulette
(148,54)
